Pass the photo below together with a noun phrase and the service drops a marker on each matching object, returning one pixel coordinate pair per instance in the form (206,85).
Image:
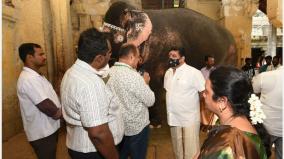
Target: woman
(228,93)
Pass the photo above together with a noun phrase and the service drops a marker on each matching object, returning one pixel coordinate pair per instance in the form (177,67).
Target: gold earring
(221,109)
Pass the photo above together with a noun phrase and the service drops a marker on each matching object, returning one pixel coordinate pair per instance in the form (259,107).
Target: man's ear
(183,58)
(29,57)
(98,59)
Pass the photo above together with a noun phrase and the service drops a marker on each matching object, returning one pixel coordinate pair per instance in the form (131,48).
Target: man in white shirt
(183,84)
(269,85)
(39,104)
(276,62)
(209,66)
(135,94)
(92,112)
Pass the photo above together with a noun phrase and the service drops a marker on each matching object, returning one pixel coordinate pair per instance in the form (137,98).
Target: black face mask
(173,62)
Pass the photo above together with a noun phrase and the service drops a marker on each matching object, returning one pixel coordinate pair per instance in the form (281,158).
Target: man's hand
(146,77)
(102,138)
(58,114)
(50,109)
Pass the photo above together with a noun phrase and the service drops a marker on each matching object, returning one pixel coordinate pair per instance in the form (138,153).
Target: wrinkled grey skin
(198,34)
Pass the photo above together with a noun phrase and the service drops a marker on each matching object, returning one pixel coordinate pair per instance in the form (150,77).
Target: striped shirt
(135,95)
(87,102)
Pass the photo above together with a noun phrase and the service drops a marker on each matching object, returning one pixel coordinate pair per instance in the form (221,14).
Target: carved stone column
(136,3)
(236,16)
(210,8)
(271,41)
(11,120)
(274,12)
(64,51)
(87,14)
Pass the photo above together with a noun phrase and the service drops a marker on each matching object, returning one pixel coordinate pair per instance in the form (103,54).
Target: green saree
(226,142)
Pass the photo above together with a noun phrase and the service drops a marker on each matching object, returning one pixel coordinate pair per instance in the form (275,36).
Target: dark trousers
(277,141)
(81,155)
(135,146)
(45,148)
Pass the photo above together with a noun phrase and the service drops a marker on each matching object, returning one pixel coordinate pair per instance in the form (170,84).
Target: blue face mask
(173,62)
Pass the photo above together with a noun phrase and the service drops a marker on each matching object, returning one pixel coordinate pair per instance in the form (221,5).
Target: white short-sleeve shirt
(182,95)
(88,102)
(270,85)
(206,72)
(33,88)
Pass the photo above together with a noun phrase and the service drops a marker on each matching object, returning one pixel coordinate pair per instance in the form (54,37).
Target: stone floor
(159,147)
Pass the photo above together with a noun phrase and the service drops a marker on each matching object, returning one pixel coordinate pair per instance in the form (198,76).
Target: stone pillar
(90,12)
(87,14)
(136,3)
(64,51)
(271,41)
(209,8)
(274,12)
(236,16)
(11,119)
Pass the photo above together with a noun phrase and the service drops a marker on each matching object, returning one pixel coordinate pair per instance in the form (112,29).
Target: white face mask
(104,71)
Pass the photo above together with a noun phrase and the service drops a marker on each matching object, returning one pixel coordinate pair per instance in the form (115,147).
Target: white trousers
(185,141)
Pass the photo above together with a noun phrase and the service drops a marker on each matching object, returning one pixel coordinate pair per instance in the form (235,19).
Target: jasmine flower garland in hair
(256,113)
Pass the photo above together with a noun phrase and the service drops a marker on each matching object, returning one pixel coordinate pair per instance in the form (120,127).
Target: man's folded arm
(49,108)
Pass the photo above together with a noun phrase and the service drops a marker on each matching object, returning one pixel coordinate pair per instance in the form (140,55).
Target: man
(135,94)
(183,84)
(209,66)
(275,62)
(267,66)
(39,104)
(207,117)
(269,85)
(248,68)
(94,123)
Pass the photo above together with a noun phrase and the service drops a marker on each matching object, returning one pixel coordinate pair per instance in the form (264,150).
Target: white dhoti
(185,141)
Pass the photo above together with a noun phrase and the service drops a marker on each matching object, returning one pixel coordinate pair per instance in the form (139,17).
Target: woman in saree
(240,135)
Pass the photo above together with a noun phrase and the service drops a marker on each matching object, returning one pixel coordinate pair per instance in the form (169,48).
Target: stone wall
(11,119)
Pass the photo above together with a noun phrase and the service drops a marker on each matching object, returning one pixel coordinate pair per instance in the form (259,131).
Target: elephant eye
(129,25)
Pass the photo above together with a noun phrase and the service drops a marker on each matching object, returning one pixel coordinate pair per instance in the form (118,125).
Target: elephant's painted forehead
(143,32)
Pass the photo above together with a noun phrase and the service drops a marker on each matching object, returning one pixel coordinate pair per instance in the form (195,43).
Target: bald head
(127,49)
(129,54)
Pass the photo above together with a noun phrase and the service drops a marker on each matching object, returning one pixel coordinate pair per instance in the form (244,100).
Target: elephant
(180,27)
